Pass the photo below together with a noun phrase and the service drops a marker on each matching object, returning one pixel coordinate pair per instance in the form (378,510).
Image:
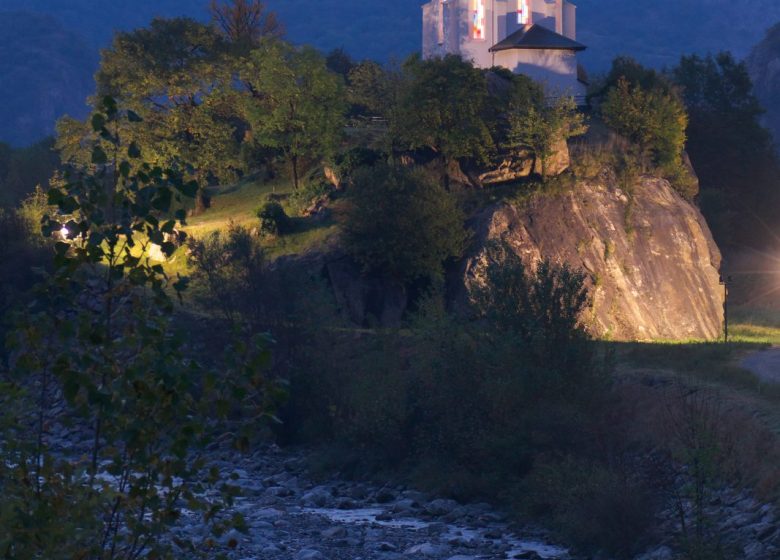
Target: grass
(235,203)
(759,326)
(714,364)
(238,204)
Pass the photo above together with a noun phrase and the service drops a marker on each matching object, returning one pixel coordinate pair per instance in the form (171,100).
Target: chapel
(537,38)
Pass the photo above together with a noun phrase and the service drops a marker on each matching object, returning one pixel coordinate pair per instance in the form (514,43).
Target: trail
(765,365)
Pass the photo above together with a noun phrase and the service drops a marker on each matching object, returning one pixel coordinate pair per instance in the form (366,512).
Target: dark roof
(537,37)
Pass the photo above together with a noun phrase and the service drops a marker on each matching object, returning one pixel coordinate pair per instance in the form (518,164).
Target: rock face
(652,262)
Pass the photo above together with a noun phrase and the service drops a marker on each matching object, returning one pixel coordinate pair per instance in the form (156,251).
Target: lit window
(478,19)
(523,12)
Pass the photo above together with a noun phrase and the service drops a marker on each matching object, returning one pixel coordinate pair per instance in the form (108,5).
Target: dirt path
(765,364)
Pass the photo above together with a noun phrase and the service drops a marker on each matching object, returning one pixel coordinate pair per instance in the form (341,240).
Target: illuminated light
(64,232)
(478,19)
(523,12)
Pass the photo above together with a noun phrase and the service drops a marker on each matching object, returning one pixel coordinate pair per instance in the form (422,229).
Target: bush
(654,119)
(542,307)
(308,195)
(274,220)
(352,160)
(100,353)
(231,267)
(402,224)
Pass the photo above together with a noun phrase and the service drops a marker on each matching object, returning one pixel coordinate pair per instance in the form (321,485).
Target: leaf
(190,189)
(134,117)
(109,104)
(163,200)
(124,169)
(134,151)
(99,156)
(168,248)
(98,122)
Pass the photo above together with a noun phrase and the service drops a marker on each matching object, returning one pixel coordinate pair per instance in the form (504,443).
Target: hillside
(764,66)
(45,72)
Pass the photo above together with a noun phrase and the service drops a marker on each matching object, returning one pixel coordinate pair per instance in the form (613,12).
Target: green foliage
(464,406)
(655,119)
(176,75)
(596,506)
(402,224)
(353,159)
(730,149)
(231,266)
(539,128)
(443,105)
(543,307)
(295,103)
(652,118)
(370,88)
(101,334)
(274,220)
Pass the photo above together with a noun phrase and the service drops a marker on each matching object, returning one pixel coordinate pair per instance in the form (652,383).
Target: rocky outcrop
(653,266)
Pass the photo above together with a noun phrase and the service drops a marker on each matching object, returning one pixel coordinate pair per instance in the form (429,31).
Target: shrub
(313,191)
(231,267)
(352,160)
(274,220)
(105,347)
(541,128)
(543,307)
(402,224)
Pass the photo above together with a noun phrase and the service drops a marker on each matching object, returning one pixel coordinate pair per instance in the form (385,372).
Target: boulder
(651,262)
(557,163)
(510,169)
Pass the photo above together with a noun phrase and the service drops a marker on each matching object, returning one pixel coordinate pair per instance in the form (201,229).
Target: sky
(656,32)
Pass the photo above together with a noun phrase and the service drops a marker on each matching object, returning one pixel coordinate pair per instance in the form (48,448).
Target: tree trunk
(294,165)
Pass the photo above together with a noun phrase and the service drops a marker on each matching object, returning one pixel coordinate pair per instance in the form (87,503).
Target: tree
(294,103)
(401,224)
(655,119)
(442,105)
(541,128)
(732,152)
(542,305)
(244,23)
(177,76)
(339,62)
(370,89)
(101,334)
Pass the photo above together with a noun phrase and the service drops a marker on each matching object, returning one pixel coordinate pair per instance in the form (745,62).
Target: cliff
(652,262)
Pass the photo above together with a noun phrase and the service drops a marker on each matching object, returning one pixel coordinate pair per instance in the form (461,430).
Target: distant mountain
(45,72)
(764,66)
(656,32)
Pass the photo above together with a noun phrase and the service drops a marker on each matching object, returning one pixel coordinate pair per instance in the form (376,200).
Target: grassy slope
(238,204)
(716,365)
